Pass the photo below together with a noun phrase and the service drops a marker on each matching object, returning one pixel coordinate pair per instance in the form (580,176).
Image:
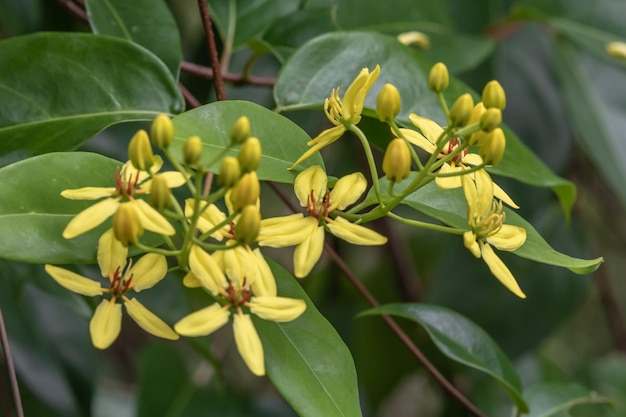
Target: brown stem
(4,342)
(189,98)
(235,79)
(75,9)
(218,81)
(387,319)
(611,309)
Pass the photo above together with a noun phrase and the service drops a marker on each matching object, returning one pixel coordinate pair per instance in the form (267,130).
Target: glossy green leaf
(331,60)
(33,214)
(460,340)
(147,23)
(556,399)
(282,141)
(69,86)
(306,359)
(449,207)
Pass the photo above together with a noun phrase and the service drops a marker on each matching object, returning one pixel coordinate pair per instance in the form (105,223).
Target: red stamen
(118,181)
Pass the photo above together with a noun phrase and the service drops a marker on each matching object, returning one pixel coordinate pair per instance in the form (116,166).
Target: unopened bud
(246,191)
(492,147)
(388,103)
(249,155)
(248,224)
(491,119)
(397,160)
(240,131)
(438,79)
(160,193)
(126,225)
(162,131)
(414,38)
(477,112)
(461,110)
(192,150)
(140,151)
(229,172)
(493,95)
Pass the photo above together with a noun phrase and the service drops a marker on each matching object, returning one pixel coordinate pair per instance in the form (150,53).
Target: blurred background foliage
(566,101)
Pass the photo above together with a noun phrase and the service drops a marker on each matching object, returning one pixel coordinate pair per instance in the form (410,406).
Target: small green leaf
(147,23)
(59,89)
(460,340)
(306,359)
(331,61)
(556,399)
(33,214)
(282,141)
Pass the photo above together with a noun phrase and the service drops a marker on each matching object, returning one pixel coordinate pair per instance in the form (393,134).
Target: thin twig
(4,341)
(218,82)
(611,309)
(388,320)
(75,9)
(189,98)
(235,79)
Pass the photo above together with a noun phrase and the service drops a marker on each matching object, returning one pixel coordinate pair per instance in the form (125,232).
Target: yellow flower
(427,140)
(236,295)
(129,182)
(107,319)
(308,232)
(342,113)
(486,219)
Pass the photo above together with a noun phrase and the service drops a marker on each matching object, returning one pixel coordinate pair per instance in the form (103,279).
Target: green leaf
(330,61)
(460,340)
(282,141)
(33,214)
(555,399)
(57,90)
(147,23)
(306,359)
(449,207)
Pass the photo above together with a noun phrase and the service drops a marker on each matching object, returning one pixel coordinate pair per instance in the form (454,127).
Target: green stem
(180,169)
(425,225)
(396,130)
(214,246)
(370,160)
(160,251)
(218,226)
(444,107)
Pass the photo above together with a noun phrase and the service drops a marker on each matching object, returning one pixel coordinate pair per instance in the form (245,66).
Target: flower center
(120,282)
(319,210)
(237,297)
(125,184)
(453,145)
(489,224)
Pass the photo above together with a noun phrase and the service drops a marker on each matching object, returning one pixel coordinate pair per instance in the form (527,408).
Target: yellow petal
(312,179)
(469,240)
(473,159)
(508,238)
(354,98)
(265,283)
(324,139)
(206,270)
(448,183)
(235,265)
(173,179)
(278,309)
(106,324)
(191,281)
(499,270)
(248,344)
(347,190)
(279,232)
(89,193)
(203,322)
(151,219)
(418,140)
(484,188)
(111,253)
(90,218)
(354,233)
(308,253)
(504,197)
(74,282)
(148,321)
(429,128)
(148,271)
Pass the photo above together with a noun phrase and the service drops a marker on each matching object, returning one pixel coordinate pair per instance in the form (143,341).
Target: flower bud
(240,131)
(397,160)
(477,112)
(230,172)
(162,131)
(492,147)
(438,79)
(246,191)
(248,224)
(493,95)
(491,119)
(388,103)
(126,225)
(159,192)
(192,150)
(249,155)
(461,110)
(414,38)
(140,151)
